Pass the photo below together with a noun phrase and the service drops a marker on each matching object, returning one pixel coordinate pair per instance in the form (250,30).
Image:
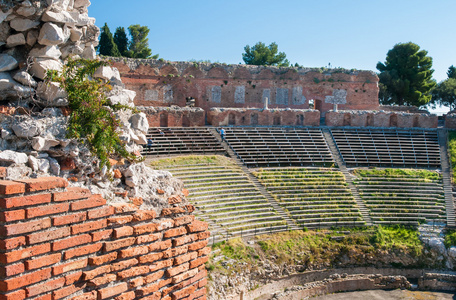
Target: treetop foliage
(445,92)
(406,76)
(107,45)
(262,55)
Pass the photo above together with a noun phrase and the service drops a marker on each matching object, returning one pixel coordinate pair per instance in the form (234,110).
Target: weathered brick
(166,223)
(135,282)
(160,246)
(67,291)
(16,295)
(132,272)
(198,262)
(120,208)
(12,269)
(183,292)
(72,193)
(8,244)
(190,208)
(154,296)
(43,261)
(93,201)
(45,287)
(39,211)
(24,280)
(184,220)
(160,265)
(25,227)
(174,199)
(98,281)
(126,296)
(150,257)
(101,235)
(176,270)
(144,215)
(102,259)
(185,275)
(175,252)
(199,294)
(134,251)
(137,201)
(100,212)
(202,282)
(142,239)
(203,235)
(124,264)
(174,232)
(69,219)
(120,220)
(84,250)
(165,282)
(172,210)
(197,226)
(27,200)
(146,290)
(73,277)
(185,240)
(86,296)
(48,235)
(69,266)
(2,172)
(10,187)
(44,183)
(12,215)
(71,242)
(16,255)
(88,275)
(197,245)
(114,245)
(185,192)
(146,228)
(112,291)
(154,277)
(184,258)
(89,226)
(123,231)
(204,251)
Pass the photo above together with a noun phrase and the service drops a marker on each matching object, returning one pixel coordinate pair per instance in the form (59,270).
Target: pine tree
(407,75)
(121,40)
(107,46)
(262,55)
(139,44)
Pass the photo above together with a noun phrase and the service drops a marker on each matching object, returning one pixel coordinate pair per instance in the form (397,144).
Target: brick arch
(218,72)
(168,69)
(195,72)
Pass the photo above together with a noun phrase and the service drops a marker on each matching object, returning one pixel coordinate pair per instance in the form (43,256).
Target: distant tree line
(137,46)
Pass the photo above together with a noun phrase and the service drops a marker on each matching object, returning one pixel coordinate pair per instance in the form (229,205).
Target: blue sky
(346,33)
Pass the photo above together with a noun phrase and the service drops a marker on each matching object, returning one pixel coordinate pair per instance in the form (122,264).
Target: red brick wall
(195,80)
(175,118)
(63,242)
(380,119)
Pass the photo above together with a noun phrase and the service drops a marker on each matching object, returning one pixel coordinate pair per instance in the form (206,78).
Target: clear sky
(345,33)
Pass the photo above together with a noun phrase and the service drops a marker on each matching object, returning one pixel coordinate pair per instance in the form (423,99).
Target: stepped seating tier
(387,147)
(263,146)
(313,197)
(178,141)
(401,198)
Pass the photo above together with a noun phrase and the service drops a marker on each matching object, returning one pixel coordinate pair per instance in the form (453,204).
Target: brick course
(75,246)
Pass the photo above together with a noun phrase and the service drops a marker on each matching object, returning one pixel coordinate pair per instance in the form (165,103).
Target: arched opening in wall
(276,120)
(393,120)
(299,120)
(231,119)
(318,104)
(370,120)
(243,120)
(185,121)
(347,120)
(254,119)
(163,120)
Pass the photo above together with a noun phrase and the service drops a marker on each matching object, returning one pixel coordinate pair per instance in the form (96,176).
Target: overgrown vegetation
(425,174)
(450,238)
(452,149)
(190,160)
(93,119)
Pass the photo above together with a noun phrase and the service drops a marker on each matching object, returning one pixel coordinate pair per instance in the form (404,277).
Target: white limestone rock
(89,52)
(58,17)
(32,37)
(43,144)
(76,34)
(27,9)
(18,172)
(22,24)
(13,157)
(61,4)
(6,81)
(46,52)
(81,3)
(139,122)
(4,15)
(15,40)
(438,245)
(33,163)
(52,94)
(107,73)
(122,96)
(27,129)
(54,166)
(7,62)
(9,88)
(25,78)
(42,65)
(141,139)
(51,34)
(82,19)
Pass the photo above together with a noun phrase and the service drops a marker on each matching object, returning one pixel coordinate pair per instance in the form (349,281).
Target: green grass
(450,238)
(452,148)
(190,160)
(425,174)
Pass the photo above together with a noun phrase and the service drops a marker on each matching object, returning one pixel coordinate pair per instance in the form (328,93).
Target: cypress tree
(107,46)
(121,40)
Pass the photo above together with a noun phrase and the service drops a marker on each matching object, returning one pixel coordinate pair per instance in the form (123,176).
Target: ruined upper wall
(163,83)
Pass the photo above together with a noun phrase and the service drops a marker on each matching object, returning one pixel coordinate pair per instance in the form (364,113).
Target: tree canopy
(139,43)
(121,40)
(107,46)
(406,75)
(262,55)
(445,92)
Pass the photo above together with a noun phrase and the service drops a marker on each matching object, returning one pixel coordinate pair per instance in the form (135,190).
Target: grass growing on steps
(424,174)
(190,160)
(452,149)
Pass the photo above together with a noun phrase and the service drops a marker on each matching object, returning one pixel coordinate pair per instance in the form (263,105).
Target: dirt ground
(388,295)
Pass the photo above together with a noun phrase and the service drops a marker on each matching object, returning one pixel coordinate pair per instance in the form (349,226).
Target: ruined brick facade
(381,119)
(61,242)
(160,83)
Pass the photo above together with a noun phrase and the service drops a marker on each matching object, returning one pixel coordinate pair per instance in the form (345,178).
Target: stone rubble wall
(437,282)
(381,119)
(450,120)
(61,242)
(263,117)
(164,83)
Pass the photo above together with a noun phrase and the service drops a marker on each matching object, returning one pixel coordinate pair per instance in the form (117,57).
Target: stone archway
(164,119)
